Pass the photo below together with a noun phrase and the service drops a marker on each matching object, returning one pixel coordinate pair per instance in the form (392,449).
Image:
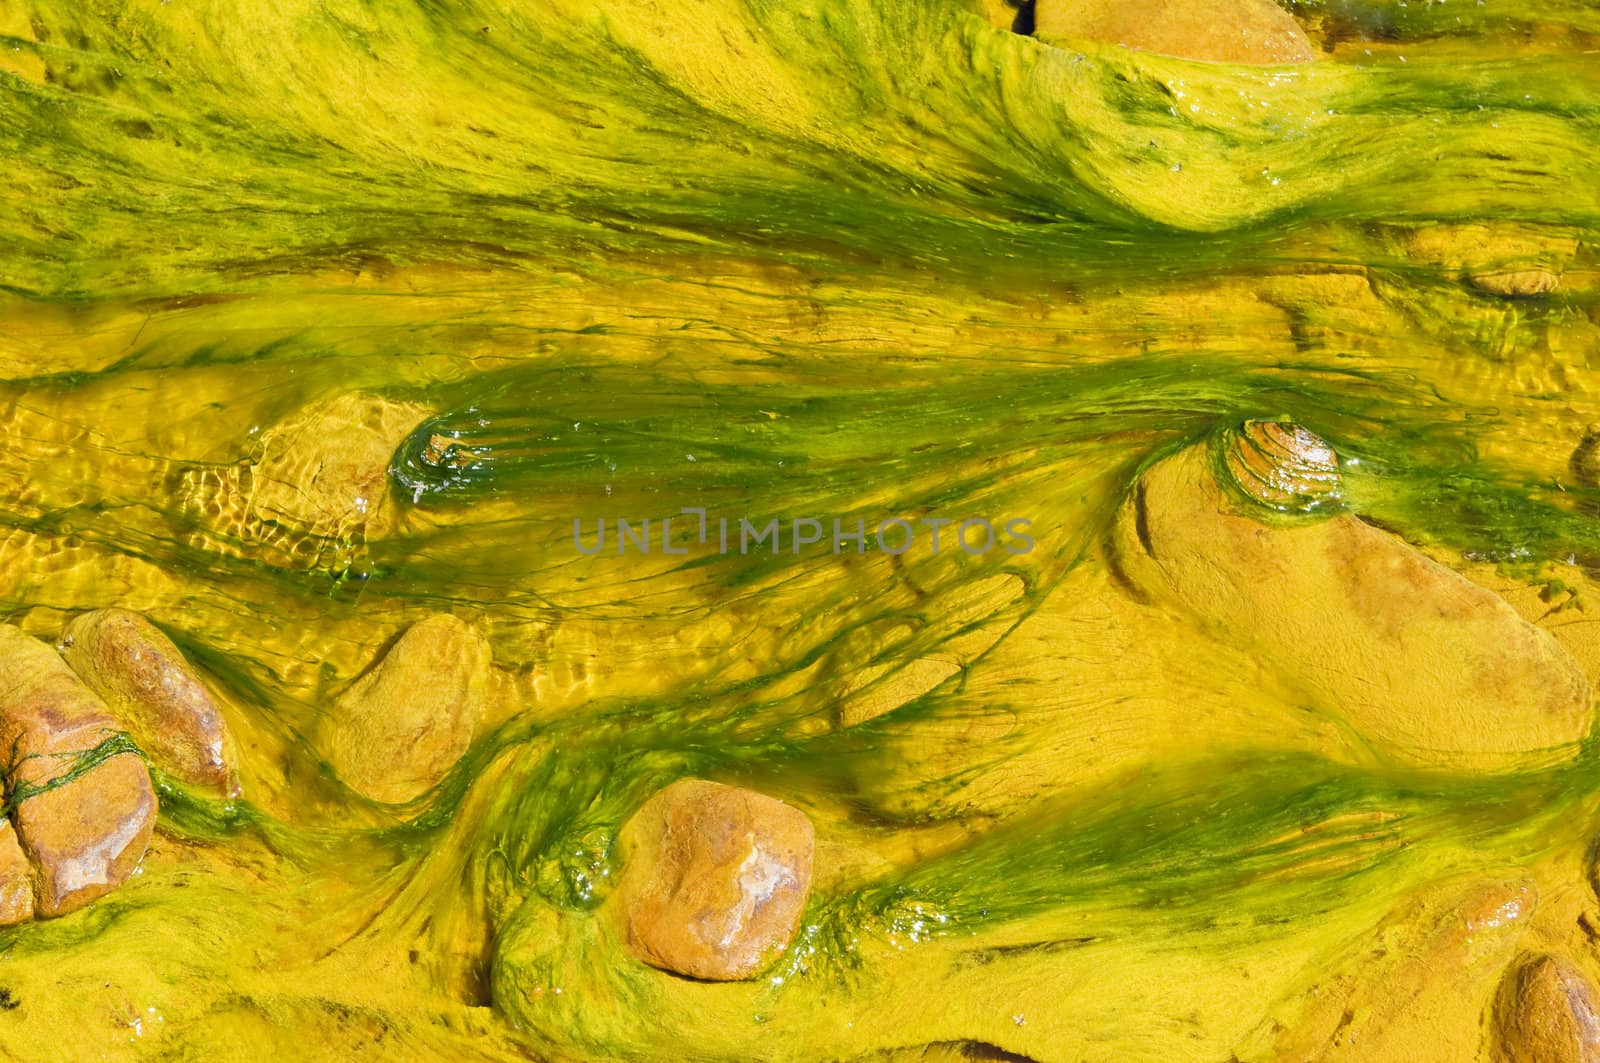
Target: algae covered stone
(1427,667)
(716,879)
(403,725)
(83,809)
(1241,31)
(1546,1012)
(155,692)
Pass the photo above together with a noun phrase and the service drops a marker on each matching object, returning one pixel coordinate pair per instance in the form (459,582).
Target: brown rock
(401,727)
(155,693)
(1545,1012)
(1241,31)
(16,879)
(84,825)
(716,879)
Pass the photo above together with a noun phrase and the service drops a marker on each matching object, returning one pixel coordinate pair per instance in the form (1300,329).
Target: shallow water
(828,260)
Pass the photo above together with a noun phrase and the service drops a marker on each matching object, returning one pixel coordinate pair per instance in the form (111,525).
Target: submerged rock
(716,879)
(83,810)
(1282,465)
(1546,1012)
(1585,461)
(1429,667)
(1507,260)
(1241,31)
(156,694)
(327,468)
(313,493)
(403,725)
(16,878)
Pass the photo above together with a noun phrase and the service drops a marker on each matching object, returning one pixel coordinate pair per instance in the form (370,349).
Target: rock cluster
(73,725)
(82,807)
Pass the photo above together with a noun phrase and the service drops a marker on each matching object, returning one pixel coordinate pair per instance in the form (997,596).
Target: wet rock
(1282,465)
(1241,31)
(1545,1012)
(16,879)
(155,693)
(716,879)
(87,836)
(401,727)
(1428,667)
(83,811)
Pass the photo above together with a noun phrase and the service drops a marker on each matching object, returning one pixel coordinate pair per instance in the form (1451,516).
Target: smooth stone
(401,727)
(1546,1013)
(16,878)
(148,684)
(1429,668)
(716,879)
(1257,32)
(85,836)
(326,469)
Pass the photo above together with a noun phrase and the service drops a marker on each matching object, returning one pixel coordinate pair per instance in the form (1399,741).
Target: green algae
(859,261)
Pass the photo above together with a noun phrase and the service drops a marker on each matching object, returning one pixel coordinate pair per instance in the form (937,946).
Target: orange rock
(716,879)
(83,825)
(155,693)
(16,879)
(1546,1013)
(1241,31)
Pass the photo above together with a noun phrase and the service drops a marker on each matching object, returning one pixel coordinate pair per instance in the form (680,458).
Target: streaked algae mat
(532,266)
